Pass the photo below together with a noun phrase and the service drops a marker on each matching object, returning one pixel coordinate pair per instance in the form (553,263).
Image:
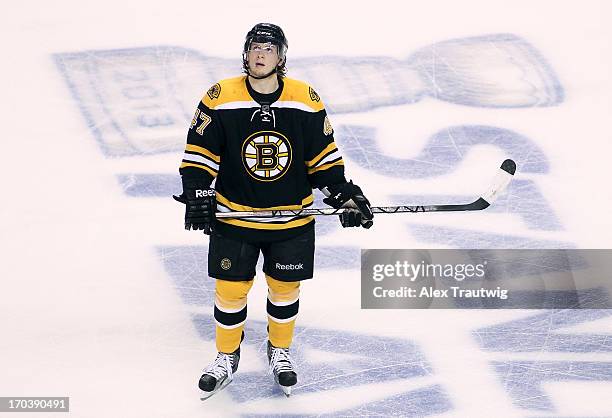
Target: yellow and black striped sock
(283,306)
(230,313)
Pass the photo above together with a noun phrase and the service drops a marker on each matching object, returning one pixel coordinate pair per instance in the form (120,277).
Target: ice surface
(105,297)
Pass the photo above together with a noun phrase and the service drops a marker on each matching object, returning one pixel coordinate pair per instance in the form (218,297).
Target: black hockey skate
(281,366)
(219,374)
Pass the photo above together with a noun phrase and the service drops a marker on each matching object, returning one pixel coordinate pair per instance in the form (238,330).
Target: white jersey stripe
(278,104)
(238,105)
(333,155)
(194,158)
(292,105)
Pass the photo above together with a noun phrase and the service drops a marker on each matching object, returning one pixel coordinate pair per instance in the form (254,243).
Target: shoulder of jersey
(300,95)
(225,91)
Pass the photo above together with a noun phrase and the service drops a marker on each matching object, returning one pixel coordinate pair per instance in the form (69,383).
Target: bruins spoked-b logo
(266,155)
(226,264)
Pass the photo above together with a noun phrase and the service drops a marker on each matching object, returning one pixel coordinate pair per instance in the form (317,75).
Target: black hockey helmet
(267,32)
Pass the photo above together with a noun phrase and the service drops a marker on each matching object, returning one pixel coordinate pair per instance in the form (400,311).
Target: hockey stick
(501,181)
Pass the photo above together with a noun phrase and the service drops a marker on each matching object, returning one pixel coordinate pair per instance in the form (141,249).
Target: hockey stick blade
(500,182)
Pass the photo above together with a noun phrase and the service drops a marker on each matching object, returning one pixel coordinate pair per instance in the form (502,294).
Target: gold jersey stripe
(258,225)
(322,154)
(203,167)
(243,208)
(325,166)
(203,151)
(234,90)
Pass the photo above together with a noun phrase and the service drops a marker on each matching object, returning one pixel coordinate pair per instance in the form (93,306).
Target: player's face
(262,58)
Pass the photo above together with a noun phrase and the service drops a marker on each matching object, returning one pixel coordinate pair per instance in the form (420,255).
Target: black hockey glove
(201,205)
(350,196)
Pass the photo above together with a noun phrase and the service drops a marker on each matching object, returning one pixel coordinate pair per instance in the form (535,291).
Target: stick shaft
(500,182)
(477,205)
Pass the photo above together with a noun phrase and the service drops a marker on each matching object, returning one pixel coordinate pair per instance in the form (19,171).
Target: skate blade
(286,390)
(206,395)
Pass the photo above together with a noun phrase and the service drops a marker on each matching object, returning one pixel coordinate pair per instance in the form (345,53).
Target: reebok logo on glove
(204,193)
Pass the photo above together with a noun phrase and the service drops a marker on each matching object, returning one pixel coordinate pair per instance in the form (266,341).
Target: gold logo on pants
(226,264)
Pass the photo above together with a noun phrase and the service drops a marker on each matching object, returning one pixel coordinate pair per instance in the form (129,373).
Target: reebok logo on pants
(299,266)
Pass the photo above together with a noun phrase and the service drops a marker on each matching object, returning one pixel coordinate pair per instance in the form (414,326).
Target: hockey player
(268,142)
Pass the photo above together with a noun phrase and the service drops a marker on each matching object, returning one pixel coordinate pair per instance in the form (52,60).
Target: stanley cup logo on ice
(498,70)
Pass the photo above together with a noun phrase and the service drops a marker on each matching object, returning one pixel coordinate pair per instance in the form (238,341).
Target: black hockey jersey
(266,151)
